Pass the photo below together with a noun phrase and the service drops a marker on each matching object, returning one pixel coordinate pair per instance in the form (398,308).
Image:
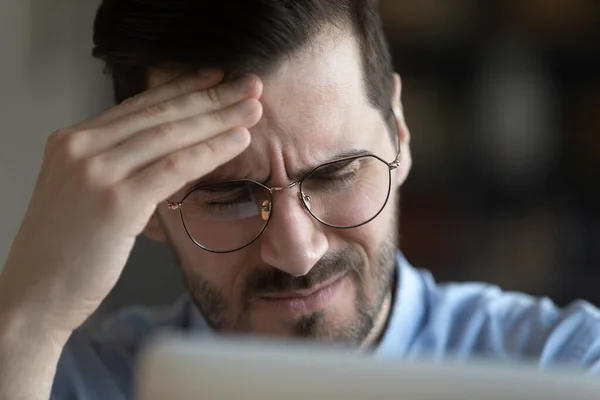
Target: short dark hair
(239,36)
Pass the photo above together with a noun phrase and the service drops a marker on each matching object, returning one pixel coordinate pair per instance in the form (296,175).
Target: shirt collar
(407,313)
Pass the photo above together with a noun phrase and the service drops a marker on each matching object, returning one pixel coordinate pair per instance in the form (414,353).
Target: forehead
(315,106)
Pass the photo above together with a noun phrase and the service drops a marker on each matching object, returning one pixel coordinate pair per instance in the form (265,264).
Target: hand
(101,181)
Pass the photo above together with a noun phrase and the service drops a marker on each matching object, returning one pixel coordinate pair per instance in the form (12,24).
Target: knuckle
(194,102)
(132,103)
(196,99)
(92,177)
(208,150)
(54,140)
(165,131)
(56,136)
(214,96)
(112,199)
(218,117)
(139,100)
(128,102)
(72,144)
(175,162)
(90,171)
(159,109)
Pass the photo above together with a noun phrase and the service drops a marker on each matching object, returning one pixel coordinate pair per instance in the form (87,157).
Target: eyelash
(346,177)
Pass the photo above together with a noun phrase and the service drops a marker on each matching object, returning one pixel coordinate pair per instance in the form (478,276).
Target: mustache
(274,280)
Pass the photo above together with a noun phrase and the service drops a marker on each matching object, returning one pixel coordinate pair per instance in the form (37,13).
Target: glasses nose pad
(265,210)
(305,199)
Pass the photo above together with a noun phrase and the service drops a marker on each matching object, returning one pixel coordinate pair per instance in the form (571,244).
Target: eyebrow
(301,173)
(338,156)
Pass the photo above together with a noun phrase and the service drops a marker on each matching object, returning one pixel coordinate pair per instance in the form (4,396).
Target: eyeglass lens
(228,216)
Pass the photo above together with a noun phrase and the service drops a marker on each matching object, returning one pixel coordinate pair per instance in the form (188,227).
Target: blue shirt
(427,320)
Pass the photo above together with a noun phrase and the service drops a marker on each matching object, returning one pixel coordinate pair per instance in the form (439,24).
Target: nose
(294,241)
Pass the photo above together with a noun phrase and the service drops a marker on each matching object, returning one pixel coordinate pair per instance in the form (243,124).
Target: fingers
(161,115)
(179,86)
(163,178)
(164,138)
(88,132)
(157,142)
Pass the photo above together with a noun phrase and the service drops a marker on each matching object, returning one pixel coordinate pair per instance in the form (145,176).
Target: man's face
(315,107)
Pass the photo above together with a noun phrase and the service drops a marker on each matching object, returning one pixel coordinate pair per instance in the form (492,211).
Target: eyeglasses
(343,194)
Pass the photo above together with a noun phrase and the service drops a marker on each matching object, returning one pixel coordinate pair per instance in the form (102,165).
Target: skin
(104,181)
(284,142)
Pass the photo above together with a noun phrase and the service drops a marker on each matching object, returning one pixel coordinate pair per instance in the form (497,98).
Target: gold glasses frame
(267,205)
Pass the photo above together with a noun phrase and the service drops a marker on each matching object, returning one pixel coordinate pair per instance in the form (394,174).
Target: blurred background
(503,101)
(502,98)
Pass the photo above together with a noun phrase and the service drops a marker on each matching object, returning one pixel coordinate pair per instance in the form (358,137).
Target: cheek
(224,272)
(369,240)
(371,236)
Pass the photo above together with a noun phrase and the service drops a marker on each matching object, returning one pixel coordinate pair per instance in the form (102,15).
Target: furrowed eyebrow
(213,180)
(222,187)
(298,175)
(337,156)
(335,166)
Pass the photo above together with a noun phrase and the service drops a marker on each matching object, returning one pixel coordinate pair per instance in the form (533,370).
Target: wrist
(20,323)
(31,305)
(29,354)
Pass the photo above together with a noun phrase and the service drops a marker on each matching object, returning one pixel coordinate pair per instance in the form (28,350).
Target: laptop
(185,368)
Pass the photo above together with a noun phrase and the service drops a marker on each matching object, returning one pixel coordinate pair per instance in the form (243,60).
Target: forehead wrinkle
(281,157)
(314,106)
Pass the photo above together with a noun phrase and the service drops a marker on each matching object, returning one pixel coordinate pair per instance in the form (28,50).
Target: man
(265,142)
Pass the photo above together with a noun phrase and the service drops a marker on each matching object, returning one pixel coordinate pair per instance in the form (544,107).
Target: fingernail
(244,83)
(246,107)
(239,135)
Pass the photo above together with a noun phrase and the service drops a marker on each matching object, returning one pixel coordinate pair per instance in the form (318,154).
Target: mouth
(302,302)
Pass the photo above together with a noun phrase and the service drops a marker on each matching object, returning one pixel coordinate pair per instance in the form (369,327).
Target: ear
(403,132)
(154,229)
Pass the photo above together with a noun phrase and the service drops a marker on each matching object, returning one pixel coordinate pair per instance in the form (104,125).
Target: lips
(299,294)
(302,302)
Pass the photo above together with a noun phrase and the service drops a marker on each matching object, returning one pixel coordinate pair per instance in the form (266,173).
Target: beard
(372,285)
(371,292)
